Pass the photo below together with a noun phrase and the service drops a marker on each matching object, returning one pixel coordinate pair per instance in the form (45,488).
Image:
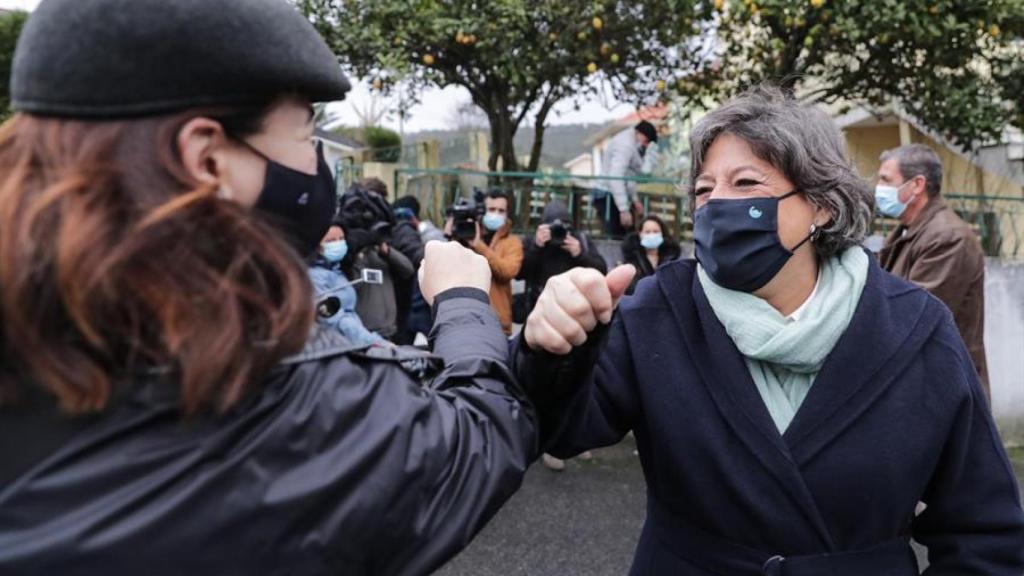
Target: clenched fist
(448,265)
(571,306)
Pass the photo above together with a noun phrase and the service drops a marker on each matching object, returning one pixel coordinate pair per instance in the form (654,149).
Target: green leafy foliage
(956,65)
(10,28)
(386,144)
(944,61)
(517,58)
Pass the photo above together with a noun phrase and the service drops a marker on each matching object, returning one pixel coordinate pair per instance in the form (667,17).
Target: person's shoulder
(672,279)
(948,227)
(511,240)
(906,302)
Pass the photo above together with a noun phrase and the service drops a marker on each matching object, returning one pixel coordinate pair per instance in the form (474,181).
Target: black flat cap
(129,58)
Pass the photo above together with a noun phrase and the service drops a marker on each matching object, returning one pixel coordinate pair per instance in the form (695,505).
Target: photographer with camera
(368,222)
(405,238)
(483,224)
(556,248)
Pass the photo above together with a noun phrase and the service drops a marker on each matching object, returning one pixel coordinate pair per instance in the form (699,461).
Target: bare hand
(572,246)
(626,219)
(571,306)
(449,265)
(543,235)
(449,225)
(478,243)
(383,249)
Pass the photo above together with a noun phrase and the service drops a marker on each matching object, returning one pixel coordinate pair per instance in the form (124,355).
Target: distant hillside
(561,143)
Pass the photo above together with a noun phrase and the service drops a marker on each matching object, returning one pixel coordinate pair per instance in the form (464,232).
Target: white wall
(1004,345)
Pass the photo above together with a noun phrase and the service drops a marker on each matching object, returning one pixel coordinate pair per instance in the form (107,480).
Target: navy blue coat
(896,416)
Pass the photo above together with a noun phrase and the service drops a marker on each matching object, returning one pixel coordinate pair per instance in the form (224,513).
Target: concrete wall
(1004,345)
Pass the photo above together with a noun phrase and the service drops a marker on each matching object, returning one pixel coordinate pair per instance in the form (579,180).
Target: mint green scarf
(784,355)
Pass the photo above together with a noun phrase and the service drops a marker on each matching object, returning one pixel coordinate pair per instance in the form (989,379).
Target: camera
(465,213)
(362,210)
(559,231)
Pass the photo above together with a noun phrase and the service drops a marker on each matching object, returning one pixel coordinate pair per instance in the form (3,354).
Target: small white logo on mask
(304,199)
(755,213)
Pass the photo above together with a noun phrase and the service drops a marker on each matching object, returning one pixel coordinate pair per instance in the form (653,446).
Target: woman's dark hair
(665,233)
(498,193)
(113,259)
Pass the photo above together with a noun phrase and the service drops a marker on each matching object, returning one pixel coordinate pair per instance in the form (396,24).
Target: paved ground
(584,520)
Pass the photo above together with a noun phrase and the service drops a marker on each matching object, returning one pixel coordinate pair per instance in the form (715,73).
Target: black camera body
(364,211)
(559,231)
(465,214)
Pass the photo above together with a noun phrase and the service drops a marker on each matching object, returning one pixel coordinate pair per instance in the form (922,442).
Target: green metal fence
(999,221)
(346,172)
(531,192)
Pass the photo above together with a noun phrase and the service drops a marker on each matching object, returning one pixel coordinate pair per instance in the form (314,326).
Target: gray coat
(622,159)
(376,304)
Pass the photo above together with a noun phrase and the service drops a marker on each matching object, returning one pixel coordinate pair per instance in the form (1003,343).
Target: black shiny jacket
(341,464)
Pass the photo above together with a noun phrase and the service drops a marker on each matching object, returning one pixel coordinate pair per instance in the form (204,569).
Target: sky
(438,106)
(23,4)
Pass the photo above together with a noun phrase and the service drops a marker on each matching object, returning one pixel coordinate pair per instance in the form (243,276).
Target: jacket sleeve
(399,264)
(505,258)
(592,259)
(531,261)
(408,241)
(942,268)
(973,523)
(585,400)
(391,476)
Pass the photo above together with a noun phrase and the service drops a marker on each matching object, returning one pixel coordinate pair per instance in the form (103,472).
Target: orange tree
(953,64)
(517,58)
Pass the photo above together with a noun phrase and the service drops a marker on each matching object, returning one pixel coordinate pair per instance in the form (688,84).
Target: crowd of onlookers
(365,270)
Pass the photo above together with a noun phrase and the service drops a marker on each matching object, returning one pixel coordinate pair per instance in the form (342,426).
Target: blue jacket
(896,416)
(329,282)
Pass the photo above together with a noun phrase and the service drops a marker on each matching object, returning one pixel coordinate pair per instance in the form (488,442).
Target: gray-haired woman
(792,402)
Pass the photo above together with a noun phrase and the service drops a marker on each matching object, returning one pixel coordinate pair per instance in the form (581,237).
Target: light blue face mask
(887,200)
(652,241)
(494,222)
(336,251)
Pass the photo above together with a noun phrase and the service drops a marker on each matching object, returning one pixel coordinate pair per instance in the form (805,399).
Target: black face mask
(300,205)
(738,241)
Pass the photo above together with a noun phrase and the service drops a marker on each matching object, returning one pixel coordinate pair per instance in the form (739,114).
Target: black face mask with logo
(300,205)
(737,241)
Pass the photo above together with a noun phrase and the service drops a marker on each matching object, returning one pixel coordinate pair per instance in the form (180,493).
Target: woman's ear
(201,145)
(822,217)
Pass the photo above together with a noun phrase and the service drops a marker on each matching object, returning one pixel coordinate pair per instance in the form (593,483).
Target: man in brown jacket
(503,250)
(933,247)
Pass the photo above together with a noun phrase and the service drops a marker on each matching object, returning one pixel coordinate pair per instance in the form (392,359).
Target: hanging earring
(224,193)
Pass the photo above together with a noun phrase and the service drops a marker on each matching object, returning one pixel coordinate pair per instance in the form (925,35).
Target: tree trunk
(540,124)
(502,142)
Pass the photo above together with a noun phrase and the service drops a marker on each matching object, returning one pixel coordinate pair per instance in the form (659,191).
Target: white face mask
(887,200)
(494,222)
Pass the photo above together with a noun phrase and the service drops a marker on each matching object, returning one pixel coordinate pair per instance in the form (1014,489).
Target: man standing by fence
(933,247)
(624,158)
